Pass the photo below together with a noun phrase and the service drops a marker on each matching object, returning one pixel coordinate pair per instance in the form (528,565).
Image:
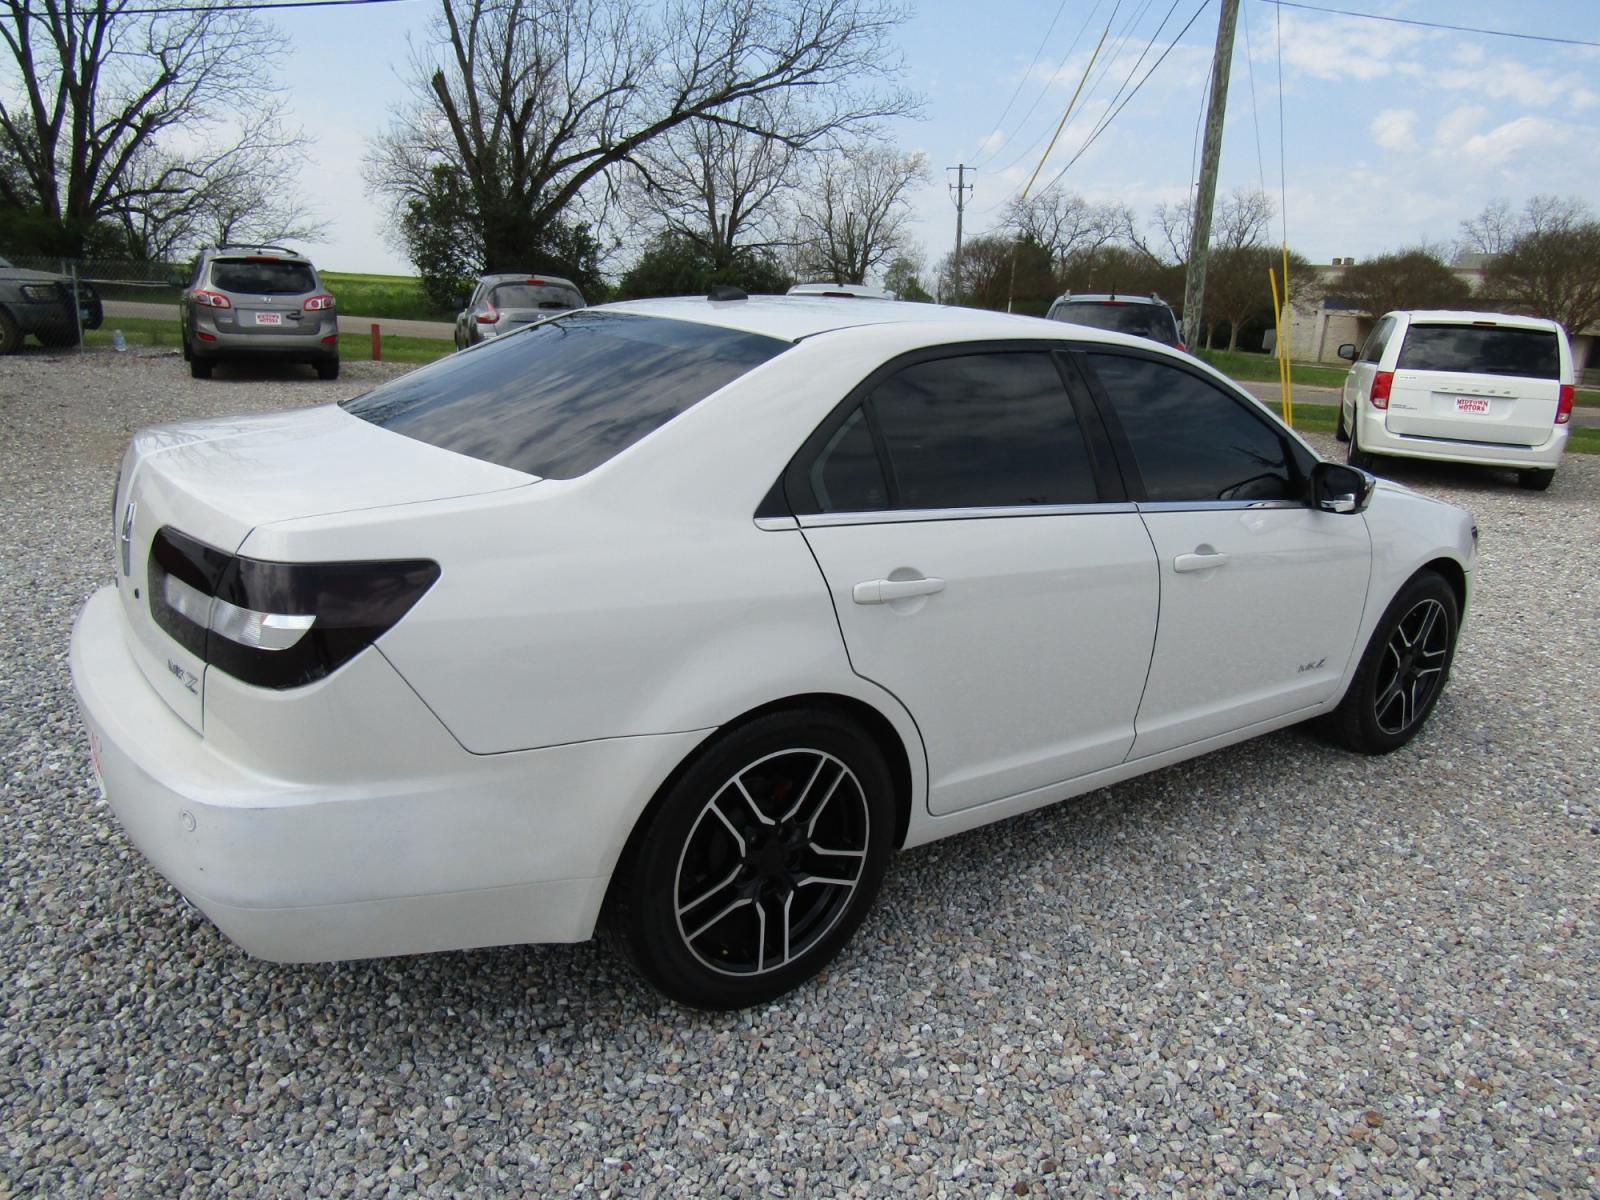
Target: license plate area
(269,318)
(1476,406)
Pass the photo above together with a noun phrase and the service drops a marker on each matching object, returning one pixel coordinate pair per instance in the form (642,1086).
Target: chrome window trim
(1156,506)
(906,515)
(777,524)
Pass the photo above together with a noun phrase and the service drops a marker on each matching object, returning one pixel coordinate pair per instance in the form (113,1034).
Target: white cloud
(1458,126)
(1395,129)
(1512,138)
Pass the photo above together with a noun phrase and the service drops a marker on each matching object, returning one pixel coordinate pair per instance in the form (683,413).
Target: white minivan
(1492,389)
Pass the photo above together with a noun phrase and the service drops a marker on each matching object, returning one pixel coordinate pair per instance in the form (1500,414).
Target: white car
(857,291)
(688,612)
(1491,389)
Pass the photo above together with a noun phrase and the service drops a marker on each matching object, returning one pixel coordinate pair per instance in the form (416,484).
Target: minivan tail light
(319,303)
(211,299)
(1569,393)
(1381,383)
(272,624)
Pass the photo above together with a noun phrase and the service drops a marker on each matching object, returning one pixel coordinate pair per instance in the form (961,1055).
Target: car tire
(778,832)
(10,333)
(58,338)
(328,368)
(1403,670)
(1354,454)
(199,367)
(1340,432)
(1535,479)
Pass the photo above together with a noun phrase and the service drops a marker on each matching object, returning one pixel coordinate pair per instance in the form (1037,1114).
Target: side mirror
(1337,488)
(1348,352)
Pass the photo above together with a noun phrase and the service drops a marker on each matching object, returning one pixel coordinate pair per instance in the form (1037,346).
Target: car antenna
(726,291)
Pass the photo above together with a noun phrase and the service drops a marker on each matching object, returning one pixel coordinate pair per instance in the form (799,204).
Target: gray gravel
(1279,970)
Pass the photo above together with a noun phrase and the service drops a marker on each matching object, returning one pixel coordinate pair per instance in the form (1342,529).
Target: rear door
(984,567)
(1479,381)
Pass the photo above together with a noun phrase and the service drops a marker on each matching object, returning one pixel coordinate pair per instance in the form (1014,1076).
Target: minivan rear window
(1482,350)
(560,398)
(262,278)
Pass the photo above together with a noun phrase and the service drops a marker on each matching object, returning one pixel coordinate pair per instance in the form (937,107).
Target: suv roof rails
(255,246)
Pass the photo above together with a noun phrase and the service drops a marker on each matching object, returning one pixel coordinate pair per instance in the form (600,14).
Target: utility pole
(959,189)
(1194,287)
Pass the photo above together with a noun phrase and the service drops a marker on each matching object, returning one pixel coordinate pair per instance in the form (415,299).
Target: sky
(1391,134)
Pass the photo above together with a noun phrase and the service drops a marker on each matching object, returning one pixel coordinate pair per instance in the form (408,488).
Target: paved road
(347,324)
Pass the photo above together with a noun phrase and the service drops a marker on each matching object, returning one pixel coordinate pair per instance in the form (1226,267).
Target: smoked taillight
(1568,394)
(1381,383)
(272,624)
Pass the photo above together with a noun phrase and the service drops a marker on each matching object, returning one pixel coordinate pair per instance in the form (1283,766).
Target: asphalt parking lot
(1276,970)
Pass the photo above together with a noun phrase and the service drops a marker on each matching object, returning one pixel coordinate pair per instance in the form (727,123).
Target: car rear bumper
(215,340)
(478,850)
(1376,439)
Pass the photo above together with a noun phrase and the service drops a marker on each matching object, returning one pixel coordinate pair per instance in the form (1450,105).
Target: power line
(1017,91)
(1505,33)
(104,11)
(1255,111)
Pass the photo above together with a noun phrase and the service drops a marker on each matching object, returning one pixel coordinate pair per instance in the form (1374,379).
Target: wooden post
(377,344)
(1194,287)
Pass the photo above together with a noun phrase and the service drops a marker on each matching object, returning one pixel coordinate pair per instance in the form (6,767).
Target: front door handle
(1199,562)
(882,591)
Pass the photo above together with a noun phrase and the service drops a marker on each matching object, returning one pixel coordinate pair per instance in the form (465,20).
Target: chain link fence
(127,287)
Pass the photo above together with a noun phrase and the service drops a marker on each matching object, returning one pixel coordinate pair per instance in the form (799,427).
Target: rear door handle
(1199,562)
(881,591)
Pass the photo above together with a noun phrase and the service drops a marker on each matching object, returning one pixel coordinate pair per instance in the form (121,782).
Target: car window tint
(846,476)
(1376,340)
(1531,353)
(982,430)
(1191,440)
(1143,320)
(263,278)
(559,399)
(527,295)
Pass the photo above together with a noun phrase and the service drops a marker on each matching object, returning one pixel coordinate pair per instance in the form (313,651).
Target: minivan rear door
(1478,381)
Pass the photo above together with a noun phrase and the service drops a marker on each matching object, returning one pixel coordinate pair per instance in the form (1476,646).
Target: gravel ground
(1278,970)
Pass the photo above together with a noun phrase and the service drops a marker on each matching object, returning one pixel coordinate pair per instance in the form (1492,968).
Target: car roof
(1456,316)
(1108,298)
(527,276)
(241,250)
(795,317)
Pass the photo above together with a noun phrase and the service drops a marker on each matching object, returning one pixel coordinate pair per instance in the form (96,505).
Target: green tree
(1413,278)
(904,279)
(675,265)
(1546,261)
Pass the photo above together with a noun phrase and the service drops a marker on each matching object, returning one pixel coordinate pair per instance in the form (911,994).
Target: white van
(1486,388)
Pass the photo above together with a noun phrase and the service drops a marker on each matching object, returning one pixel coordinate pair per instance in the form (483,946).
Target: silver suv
(258,302)
(508,301)
(1143,316)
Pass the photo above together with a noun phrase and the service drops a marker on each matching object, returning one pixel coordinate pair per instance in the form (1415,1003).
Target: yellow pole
(1277,329)
(1288,345)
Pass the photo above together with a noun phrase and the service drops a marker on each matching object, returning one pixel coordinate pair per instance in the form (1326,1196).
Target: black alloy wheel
(759,863)
(1403,670)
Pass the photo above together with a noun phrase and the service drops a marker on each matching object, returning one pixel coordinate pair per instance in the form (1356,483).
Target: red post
(377,344)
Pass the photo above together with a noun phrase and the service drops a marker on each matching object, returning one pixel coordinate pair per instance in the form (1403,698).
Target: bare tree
(529,102)
(107,92)
(1064,223)
(855,212)
(1546,261)
(1242,219)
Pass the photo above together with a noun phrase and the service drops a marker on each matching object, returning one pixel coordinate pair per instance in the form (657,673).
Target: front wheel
(1403,670)
(759,863)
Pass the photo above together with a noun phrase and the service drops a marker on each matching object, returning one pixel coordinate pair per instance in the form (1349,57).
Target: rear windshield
(1481,349)
(263,278)
(559,399)
(1143,320)
(528,295)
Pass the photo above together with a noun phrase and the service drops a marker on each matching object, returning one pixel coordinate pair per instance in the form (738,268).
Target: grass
(1589,397)
(354,347)
(398,297)
(1242,364)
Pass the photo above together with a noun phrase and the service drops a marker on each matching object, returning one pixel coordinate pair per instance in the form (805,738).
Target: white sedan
(685,613)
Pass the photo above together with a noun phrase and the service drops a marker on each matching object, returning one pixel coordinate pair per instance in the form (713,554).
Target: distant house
(1319,325)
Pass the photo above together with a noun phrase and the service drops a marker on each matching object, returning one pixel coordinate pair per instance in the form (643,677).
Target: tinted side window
(1193,441)
(982,430)
(846,476)
(559,399)
(1377,340)
(1482,349)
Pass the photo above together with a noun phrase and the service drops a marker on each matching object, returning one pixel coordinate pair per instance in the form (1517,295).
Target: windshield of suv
(1481,349)
(558,399)
(531,295)
(265,278)
(1154,321)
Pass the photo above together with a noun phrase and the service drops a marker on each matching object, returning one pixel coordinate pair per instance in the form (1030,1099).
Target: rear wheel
(1340,432)
(199,367)
(1354,454)
(759,863)
(1403,670)
(328,368)
(1536,480)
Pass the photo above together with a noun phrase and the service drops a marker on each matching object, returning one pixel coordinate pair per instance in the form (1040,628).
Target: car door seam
(1155,634)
